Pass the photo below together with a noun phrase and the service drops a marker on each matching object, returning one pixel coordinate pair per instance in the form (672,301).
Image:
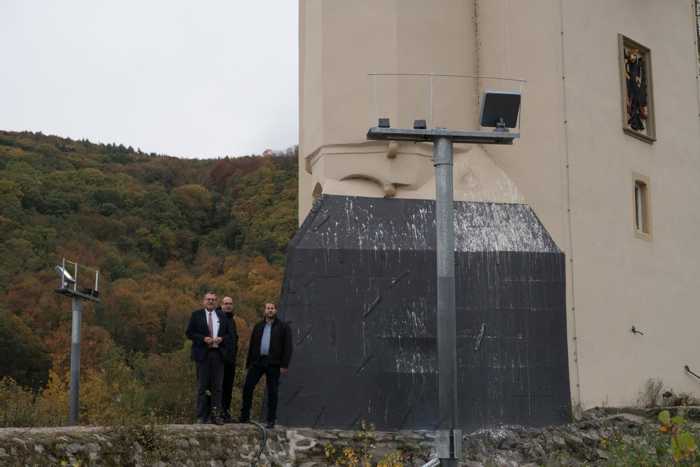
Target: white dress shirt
(214,321)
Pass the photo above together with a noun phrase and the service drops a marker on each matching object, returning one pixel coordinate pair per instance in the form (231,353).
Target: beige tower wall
(342,43)
(573,164)
(622,280)
(576,168)
(523,39)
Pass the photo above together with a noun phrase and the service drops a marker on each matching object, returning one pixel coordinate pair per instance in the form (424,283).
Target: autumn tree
(162,231)
(25,359)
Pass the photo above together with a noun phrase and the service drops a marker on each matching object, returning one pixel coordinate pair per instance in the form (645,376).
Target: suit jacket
(280,344)
(198,329)
(234,330)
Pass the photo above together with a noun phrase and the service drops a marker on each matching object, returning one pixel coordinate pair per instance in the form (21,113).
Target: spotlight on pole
(66,278)
(78,287)
(499,110)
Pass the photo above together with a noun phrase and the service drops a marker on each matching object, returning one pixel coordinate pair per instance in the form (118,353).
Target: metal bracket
(687,368)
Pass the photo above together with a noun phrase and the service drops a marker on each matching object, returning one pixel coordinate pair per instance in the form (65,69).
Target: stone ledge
(237,445)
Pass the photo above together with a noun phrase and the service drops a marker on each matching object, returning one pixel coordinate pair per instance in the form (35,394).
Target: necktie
(210,324)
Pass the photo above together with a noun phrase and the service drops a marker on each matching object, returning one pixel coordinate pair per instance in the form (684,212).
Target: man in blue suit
(212,344)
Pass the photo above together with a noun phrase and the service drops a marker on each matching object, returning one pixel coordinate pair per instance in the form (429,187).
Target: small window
(642,211)
(637,92)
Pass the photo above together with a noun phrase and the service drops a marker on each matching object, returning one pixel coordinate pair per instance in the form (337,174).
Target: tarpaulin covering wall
(359,291)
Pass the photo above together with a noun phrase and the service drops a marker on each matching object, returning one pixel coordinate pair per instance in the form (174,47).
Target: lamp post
(68,286)
(449,443)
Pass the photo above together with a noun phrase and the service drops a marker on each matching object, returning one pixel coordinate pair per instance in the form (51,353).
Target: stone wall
(195,445)
(583,442)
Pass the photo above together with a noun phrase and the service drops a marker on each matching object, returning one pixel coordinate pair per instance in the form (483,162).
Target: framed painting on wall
(637,91)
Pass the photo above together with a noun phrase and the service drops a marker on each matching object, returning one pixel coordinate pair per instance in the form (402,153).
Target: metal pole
(75,364)
(446,316)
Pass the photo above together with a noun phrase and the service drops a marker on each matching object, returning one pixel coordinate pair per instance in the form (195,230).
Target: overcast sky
(186,78)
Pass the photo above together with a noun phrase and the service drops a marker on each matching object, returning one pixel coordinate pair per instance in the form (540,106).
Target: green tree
(162,231)
(25,359)
(10,200)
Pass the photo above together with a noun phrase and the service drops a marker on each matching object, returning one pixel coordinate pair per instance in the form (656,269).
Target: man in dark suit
(212,341)
(269,354)
(230,364)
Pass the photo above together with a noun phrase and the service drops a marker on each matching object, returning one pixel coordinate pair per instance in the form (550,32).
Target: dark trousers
(272,379)
(210,374)
(227,388)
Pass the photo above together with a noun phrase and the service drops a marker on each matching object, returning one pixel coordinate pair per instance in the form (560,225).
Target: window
(642,210)
(637,95)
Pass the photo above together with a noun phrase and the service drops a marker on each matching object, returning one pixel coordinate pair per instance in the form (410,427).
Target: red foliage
(222,170)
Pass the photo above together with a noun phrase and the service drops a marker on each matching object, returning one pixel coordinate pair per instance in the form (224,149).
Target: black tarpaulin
(359,291)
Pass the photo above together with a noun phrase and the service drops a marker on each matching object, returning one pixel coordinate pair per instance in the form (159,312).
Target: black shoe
(270,425)
(226,418)
(244,420)
(217,421)
(202,421)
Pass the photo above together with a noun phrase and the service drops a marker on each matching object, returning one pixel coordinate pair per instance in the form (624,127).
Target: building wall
(341,44)
(573,163)
(622,280)
(576,167)
(509,45)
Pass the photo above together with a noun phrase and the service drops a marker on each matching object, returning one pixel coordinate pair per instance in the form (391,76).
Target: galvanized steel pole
(446,315)
(75,364)
(449,439)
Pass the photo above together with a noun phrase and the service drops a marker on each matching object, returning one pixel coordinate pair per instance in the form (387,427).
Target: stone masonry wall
(582,442)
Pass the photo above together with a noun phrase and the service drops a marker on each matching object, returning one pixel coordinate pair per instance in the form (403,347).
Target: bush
(52,403)
(16,404)
(671,444)
(170,381)
(361,455)
(112,394)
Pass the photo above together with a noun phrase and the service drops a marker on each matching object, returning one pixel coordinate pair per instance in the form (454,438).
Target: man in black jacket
(212,344)
(269,353)
(229,365)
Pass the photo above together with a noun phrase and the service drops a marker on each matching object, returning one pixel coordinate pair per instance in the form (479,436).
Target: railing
(442,100)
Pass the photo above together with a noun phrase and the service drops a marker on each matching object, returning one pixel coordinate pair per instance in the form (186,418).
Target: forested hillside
(162,231)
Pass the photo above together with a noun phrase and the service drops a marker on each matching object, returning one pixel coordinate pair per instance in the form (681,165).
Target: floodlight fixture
(78,289)
(500,109)
(65,276)
(86,288)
